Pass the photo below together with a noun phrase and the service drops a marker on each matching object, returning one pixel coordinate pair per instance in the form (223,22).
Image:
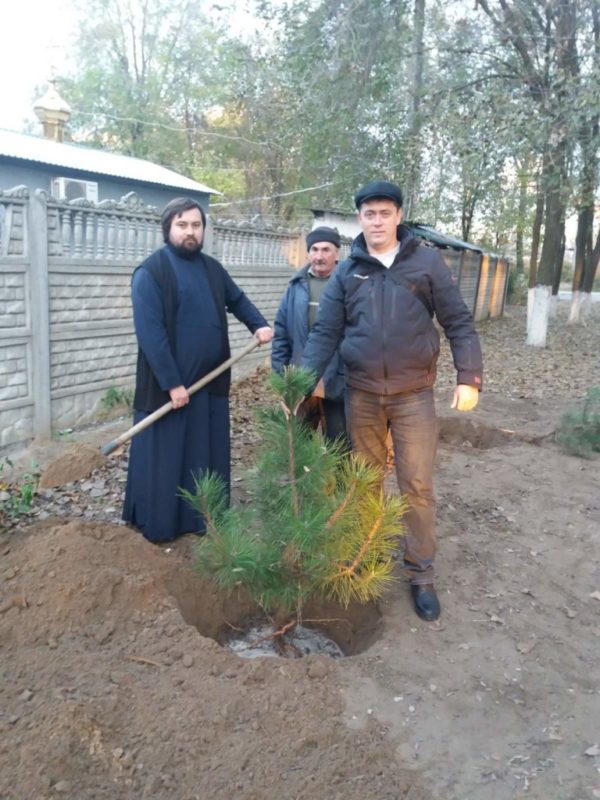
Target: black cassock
(166,456)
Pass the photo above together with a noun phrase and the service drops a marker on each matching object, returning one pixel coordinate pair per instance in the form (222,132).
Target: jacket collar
(301,275)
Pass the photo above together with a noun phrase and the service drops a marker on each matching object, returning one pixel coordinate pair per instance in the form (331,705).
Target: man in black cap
(296,316)
(381,302)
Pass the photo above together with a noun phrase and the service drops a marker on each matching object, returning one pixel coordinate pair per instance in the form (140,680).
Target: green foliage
(118,397)
(148,76)
(579,430)
(516,293)
(16,497)
(319,524)
(266,101)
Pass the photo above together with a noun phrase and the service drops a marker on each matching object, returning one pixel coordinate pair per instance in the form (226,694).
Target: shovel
(160,412)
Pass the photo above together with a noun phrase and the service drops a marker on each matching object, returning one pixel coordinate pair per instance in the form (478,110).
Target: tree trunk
(468,210)
(557,173)
(536,234)
(538,311)
(414,136)
(583,243)
(583,257)
(560,261)
(591,264)
(556,167)
(523,178)
(558,273)
(582,300)
(586,259)
(590,274)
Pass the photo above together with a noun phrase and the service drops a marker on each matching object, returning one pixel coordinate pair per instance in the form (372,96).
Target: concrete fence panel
(499,289)
(16,351)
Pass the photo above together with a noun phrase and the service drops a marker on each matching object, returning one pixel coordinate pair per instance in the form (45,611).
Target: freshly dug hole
(353,630)
(459,432)
(106,582)
(264,639)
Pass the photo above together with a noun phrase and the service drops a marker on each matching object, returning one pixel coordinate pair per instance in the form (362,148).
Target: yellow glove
(465,397)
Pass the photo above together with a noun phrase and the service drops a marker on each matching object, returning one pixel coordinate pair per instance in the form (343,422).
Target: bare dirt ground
(113,685)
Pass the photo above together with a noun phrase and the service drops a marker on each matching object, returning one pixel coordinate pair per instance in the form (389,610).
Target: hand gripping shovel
(160,412)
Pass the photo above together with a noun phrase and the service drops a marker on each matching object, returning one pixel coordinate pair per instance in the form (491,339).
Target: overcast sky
(34,35)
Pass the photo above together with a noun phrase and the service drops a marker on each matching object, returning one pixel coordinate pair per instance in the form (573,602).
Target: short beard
(186,252)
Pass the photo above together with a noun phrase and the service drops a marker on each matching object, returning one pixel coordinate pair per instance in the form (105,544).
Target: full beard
(188,251)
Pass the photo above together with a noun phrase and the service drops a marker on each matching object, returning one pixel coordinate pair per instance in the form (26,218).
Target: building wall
(346,224)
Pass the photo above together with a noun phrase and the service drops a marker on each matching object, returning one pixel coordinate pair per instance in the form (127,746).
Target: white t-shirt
(387,259)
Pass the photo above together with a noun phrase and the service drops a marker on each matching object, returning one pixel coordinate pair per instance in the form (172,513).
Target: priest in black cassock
(180,298)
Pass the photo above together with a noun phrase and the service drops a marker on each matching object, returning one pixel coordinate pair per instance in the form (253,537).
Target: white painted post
(540,310)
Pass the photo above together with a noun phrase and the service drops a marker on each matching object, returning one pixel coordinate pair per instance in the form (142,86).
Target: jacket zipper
(384,336)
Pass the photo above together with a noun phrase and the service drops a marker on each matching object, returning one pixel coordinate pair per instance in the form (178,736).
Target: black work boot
(425,601)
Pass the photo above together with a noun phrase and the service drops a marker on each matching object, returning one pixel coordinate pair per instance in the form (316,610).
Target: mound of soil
(110,692)
(77,462)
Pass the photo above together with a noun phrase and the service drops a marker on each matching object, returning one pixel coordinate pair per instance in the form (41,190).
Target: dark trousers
(412,422)
(330,414)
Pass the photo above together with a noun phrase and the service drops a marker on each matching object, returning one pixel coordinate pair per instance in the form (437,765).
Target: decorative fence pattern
(111,231)
(66,333)
(237,245)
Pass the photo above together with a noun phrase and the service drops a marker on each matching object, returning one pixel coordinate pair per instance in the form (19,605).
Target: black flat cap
(323,234)
(377,190)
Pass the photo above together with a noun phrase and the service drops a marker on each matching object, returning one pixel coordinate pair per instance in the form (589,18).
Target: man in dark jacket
(296,316)
(381,301)
(180,298)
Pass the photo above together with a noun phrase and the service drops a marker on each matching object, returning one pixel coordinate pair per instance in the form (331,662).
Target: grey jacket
(291,335)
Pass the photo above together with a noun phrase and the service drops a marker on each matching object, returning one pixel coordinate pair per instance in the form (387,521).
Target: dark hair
(175,208)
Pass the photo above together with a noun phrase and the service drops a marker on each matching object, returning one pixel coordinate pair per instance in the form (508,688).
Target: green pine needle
(292,386)
(579,430)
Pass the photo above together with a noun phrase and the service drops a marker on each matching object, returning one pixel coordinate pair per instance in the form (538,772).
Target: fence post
(39,313)
(209,234)
(505,292)
(478,286)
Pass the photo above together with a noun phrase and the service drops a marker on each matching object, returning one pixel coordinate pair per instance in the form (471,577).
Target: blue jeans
(411,419)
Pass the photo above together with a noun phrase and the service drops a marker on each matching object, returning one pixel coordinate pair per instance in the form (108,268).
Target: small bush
(579,430)
(118,397)
(16,498)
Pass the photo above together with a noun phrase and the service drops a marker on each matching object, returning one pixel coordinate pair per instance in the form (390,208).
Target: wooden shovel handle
(107,449)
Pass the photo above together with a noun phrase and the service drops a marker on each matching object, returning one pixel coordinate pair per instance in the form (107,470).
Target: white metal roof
(88,159)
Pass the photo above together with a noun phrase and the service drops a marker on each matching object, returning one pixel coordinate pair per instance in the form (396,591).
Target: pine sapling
(579,430)
(319,525)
